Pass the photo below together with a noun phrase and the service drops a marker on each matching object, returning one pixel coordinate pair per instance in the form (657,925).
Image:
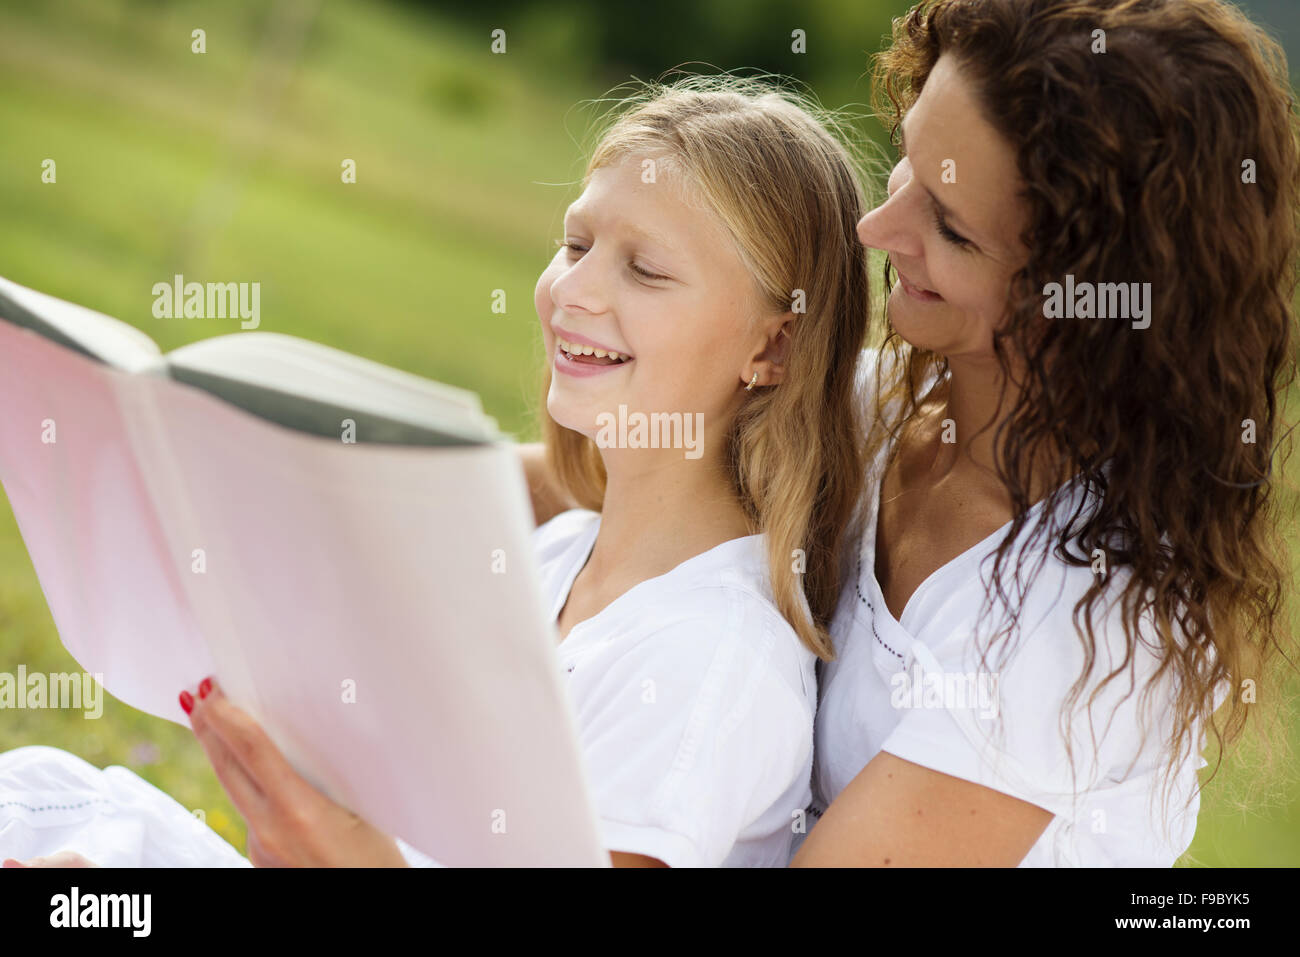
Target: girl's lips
(916,292)
(574,367)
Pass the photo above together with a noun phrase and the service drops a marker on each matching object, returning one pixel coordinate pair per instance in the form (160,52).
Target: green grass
(172,162)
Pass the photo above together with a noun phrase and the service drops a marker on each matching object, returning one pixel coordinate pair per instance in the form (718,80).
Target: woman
(1110,476)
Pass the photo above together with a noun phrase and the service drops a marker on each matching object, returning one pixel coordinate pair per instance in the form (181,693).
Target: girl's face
(649,276)
(952,222)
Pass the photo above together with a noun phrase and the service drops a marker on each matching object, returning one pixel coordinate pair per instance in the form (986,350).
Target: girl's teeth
(577,350)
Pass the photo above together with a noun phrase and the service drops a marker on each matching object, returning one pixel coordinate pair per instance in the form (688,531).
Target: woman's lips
(916,292)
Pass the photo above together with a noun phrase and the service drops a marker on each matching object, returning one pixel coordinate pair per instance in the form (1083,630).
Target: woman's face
(657,279)
(952,222)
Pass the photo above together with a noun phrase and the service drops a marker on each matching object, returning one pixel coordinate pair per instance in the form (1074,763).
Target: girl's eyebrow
(642,232)
(650,235)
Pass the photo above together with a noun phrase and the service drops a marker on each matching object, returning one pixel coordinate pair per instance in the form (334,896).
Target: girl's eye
(644,273)
(946,232)
(579,249)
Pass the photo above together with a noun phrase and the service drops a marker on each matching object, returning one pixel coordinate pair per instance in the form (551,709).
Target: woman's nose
(895,225)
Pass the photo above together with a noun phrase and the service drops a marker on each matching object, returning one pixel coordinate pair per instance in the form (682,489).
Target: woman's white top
(913,687)
(694,700)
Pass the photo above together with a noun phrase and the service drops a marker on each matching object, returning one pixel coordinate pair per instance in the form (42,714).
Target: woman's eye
(946,231)
(571,246)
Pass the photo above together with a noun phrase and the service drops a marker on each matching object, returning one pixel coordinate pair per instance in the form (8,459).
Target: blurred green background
(226,165)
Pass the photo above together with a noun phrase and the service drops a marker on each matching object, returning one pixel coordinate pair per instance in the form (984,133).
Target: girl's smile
(580,364)
(579,356)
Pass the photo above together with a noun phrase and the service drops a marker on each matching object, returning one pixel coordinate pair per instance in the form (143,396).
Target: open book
(346,547)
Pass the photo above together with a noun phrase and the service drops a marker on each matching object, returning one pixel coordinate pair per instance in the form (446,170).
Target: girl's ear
(770,362)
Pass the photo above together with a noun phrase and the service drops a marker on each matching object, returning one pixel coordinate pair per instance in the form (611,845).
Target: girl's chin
(576,419)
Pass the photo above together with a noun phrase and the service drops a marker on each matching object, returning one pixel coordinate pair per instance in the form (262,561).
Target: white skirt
(53,801)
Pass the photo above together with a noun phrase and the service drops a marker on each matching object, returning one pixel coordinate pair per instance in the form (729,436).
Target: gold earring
(751,382)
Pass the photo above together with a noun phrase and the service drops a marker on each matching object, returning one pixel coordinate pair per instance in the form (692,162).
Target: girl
(709,278)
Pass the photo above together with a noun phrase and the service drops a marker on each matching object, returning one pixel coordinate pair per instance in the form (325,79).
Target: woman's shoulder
(1111,686)
(1048,594)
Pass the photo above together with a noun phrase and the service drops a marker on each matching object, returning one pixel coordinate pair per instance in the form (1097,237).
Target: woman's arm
(899,814)
(620,859)
(548,499)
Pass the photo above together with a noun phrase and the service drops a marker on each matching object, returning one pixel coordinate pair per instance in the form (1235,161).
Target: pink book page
(376,608)
(90,527)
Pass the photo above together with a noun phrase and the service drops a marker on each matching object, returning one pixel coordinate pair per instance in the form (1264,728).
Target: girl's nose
(580,287)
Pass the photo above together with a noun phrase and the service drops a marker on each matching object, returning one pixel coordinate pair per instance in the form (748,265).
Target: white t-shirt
(881,694)
(694,700)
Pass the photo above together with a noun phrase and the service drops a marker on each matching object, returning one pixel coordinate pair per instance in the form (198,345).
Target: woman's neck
(973,400)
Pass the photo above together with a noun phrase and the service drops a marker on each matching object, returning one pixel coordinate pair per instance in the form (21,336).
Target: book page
(377,609)
(313,388)
(89,524)
(82,330)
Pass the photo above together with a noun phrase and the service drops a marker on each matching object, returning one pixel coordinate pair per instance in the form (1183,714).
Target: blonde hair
(788,192)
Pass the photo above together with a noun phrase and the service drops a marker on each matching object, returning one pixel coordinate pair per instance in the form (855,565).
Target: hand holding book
(290,823)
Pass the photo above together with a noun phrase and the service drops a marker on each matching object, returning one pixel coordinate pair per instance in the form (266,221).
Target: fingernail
(187,701)
(204,687)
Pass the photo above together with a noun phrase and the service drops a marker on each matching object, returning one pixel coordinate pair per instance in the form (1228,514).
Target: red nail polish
(187,701)
(204,687)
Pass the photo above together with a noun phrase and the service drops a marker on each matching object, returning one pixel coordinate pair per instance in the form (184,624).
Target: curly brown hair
(1133,168)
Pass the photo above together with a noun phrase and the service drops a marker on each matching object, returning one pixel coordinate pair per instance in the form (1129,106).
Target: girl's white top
(914,687)
(694,700)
